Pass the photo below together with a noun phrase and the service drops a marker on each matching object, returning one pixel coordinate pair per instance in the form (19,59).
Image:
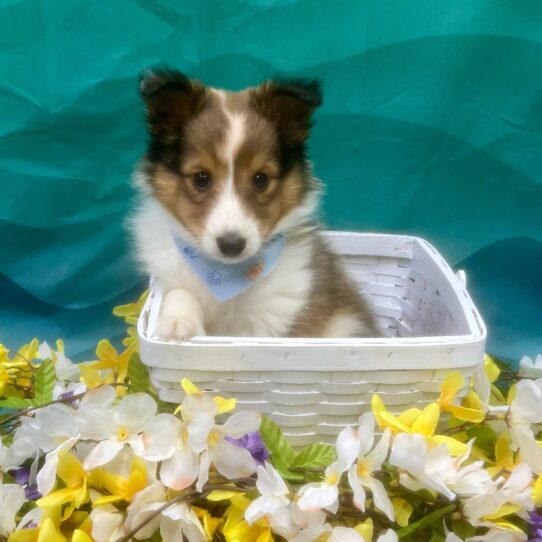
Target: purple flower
(535,530)
(254,444)
(21,475)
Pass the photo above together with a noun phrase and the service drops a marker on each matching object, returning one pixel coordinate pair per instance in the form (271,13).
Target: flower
(529,368)
(110,367)
(131,311)
(535,526)
(174,522)
(166,439)
(491,508)
(274,494)
(236,528)
(525,410)
(107,523)
(65,369)
(113,426)
(325,495)
(414,420)
(122,478)
(206,437)
(436,469)
(254,444)
(450,387)
(11,499)
(328,533)
(21,475)
(73,475)
(368,461)
(50,427)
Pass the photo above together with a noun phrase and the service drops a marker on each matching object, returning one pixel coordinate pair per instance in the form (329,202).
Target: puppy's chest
(268,308)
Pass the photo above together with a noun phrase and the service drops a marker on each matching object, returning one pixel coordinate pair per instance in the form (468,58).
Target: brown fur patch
(332,294)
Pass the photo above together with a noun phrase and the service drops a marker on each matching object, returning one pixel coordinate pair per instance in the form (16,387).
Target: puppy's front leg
(181,316)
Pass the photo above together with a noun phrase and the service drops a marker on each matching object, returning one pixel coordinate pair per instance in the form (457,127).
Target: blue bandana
(228,280)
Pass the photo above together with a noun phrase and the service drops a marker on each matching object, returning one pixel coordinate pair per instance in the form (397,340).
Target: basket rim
(477,327)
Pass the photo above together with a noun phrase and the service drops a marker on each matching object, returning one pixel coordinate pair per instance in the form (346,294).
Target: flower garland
(89,453)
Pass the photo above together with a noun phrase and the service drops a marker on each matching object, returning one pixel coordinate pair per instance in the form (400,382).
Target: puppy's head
(230,167)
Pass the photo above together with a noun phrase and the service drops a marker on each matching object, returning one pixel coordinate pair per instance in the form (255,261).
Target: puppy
(226,221)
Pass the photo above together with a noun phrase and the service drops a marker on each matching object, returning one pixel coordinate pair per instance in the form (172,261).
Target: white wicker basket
(314,387)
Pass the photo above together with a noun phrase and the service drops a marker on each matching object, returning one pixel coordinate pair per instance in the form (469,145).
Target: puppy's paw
(177,328)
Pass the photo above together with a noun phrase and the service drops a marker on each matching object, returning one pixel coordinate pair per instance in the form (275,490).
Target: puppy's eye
(202,181)
(260,181)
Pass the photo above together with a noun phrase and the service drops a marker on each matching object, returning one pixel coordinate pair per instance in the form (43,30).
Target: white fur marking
(228,214)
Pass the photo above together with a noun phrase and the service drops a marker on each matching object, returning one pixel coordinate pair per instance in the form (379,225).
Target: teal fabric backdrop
(431,126)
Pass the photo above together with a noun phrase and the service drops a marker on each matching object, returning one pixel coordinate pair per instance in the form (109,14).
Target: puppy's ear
(171,99)
(289,104)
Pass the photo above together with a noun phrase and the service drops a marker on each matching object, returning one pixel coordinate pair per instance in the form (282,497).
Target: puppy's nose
(231,244)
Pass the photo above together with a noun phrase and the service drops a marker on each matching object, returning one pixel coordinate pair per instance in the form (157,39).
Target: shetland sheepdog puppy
(227,218)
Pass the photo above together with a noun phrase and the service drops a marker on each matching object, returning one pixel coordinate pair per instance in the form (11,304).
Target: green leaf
(484,435)
(44,383)
(437,537)
(426,521)
(463,528)
(317,455)
(138,375)
(282,454)
(15,403)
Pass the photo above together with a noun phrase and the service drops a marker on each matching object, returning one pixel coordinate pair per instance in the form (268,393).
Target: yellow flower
(223,405)
(451,385)
(73,475)
(4,378)
(47,532)
(365,530)
(236,529)
(491,369)
(415,420)
(210,524)
(131,311)
(131,341)
(80,536)
(403,511)
(29,351)
(113,365)
(537,492)
(120,488)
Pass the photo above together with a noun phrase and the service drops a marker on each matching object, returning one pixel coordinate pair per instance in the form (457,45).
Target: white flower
(174,522)
(206,437)
(369,460)
(525,410)
(325,495)
(166,440)
(436,469)
(516,490)
(11,499)
(113,426)
(64,367)
(44,432)
(107,523)
(529,368)
(334,534)
(274,494)
(389,536)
